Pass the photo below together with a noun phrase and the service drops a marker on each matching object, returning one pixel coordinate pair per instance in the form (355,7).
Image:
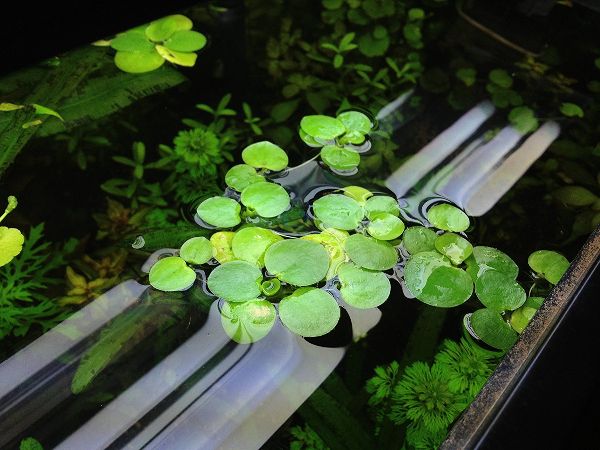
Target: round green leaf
(322,127)
(241,176)
(235,281)
(491,328)
(363,288)
(308,139)
(382,204)
(249,321)
(431,278)
(338,211)
(548,264)
(138,62)
(221,245)
(265,155)
(270,287)
(455,247)
(352,137)
(486,258)
(418,239)
(499,291)
(371,253)
(333,240)
(447,287)
(251,243)
(186,41)
(197,250)
(385,226)
(297,261)
(132,41)
(185,59)
(340,158)
(419,268)
(447,217)
(501,78)
(309,312)
(358,193)
(11,244)
(520,318)
(267,199)
(171,274)
(355,121)
(222,212)
(163,29)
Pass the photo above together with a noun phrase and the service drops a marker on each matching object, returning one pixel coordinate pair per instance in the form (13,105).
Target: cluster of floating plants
(146,48)
(341,139)
(360,237)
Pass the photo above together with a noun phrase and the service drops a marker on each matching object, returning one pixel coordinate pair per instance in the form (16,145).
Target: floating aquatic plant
(309,312)
(548,264)
(146,48)
(11,239)
(171,274)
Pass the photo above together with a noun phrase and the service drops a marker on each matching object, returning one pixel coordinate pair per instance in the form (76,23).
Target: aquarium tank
(291,224)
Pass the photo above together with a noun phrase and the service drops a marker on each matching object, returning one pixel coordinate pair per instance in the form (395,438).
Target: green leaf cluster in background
(146,48)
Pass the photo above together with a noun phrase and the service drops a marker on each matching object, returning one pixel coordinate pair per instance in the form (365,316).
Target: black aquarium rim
(475,427)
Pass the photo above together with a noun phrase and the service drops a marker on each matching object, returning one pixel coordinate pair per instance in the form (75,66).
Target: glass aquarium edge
(470,428)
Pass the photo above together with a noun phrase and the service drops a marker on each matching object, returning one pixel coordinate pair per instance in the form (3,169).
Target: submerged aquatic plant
(305,438)
(382,385)
(468,366)
(23,286)
(423,397)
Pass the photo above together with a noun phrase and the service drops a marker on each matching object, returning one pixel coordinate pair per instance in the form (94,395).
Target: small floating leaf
(358,193)
(221,244)
(338,211)
(355,121)
(418,239)
(186,41)
(180,58)
(222,212)
(309,312)
(492,329)
(241,176)
(447,217)
(197,250)
(132,41)
(308,139)
(11,244)
(485,258)
(431,278)
(322,127)
(138,62)
(251,243)
(363,288)
(455,247)
(520,318)
(265,155)
(270,287)
(385,226)
(548,264)
(163,29)
(171,274)
(249,321)
(333,240)
(371,253)
(340,158)
(267,199)
(235,281)
(297,261)
(382,204)
(499,291)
